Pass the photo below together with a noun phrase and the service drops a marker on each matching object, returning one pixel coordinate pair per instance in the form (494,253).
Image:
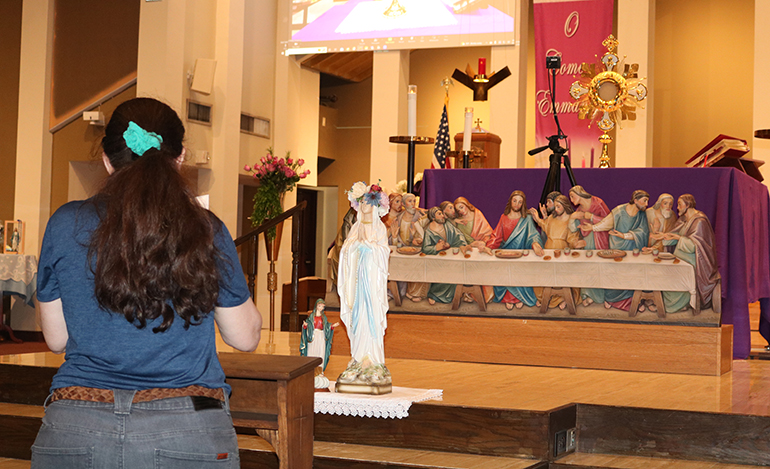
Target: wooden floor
(744,390)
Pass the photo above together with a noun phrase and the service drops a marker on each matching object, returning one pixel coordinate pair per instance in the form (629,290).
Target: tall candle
(411,116)
(468,126)
(482,66)
(592,157)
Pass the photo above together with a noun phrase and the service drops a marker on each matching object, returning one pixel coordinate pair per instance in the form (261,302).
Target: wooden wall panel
(703,436)
(581,344)
(492,432)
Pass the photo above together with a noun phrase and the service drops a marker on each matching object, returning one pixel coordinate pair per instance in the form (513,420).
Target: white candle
(467,136)
(411,116)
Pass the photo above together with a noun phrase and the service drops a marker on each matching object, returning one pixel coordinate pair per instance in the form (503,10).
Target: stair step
(349,455)
(6,463)
(612,461)
(257,453)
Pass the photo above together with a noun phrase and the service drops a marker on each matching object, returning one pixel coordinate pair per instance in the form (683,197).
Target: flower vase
(273,246)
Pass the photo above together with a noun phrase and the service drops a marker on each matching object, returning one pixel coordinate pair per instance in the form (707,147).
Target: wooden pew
(274,395)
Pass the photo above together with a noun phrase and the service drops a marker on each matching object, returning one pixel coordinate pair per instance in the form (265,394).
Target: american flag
(441,146)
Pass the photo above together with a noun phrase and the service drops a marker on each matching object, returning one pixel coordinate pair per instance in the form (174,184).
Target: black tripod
(558,153)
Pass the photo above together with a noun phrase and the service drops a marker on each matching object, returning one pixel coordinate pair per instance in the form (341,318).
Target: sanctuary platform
(492,416)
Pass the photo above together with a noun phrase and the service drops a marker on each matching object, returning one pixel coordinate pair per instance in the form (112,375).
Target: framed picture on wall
(13,237)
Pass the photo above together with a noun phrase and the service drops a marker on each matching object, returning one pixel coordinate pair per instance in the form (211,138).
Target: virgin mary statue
(362,286)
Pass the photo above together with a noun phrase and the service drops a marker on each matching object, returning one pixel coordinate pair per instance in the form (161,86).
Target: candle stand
(412,142)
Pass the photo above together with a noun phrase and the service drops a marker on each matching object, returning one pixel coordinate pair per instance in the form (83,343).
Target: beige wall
(78,142)
(110,37)
(351,160)
(704,59)
(10,47)
(427,68)
(258,75)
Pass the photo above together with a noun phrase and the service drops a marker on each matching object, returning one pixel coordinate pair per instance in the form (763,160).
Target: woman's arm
(53,325)
(240,326)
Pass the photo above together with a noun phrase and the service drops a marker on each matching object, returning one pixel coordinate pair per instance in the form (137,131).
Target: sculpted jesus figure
(516,230)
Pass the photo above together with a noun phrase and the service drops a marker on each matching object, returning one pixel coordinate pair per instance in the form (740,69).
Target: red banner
(574,30)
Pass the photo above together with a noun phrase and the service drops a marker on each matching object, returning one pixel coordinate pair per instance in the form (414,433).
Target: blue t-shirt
(104,350)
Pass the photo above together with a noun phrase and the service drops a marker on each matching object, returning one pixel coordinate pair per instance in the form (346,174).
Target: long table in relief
(632,273)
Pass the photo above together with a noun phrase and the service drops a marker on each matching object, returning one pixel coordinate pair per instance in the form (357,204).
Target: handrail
(271,223)
(253,236)
(97,102)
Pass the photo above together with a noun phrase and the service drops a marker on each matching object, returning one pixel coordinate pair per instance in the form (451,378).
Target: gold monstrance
(608,96)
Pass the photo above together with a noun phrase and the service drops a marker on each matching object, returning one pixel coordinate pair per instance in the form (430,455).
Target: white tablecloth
(632,273)
(18,274)
(393,405)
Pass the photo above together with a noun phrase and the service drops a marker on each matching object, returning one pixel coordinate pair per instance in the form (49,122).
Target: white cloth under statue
(362,284)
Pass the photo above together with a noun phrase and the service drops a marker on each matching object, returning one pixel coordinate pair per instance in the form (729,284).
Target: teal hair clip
(140,140)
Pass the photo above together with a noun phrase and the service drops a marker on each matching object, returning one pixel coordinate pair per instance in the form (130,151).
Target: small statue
(317,336)
(15,237)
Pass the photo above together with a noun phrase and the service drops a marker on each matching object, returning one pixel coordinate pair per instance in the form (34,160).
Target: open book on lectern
(726,151)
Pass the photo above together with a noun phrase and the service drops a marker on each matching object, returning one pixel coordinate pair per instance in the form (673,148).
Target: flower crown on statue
(372,195)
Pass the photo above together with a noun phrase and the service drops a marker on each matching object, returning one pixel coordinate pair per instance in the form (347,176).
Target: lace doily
(393,405)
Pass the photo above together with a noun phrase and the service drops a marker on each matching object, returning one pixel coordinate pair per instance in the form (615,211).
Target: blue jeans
(166,433)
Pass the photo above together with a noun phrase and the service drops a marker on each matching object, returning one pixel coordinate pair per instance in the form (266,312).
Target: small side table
(18,276)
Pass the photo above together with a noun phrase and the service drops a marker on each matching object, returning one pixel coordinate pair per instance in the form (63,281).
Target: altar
(737,206)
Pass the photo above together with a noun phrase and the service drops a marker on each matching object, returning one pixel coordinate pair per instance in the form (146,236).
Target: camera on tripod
(559,154)
(552,62)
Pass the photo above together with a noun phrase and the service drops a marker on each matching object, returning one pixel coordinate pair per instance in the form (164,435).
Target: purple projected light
(364,19)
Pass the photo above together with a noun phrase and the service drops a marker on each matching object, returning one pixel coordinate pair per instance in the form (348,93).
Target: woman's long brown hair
(154,245)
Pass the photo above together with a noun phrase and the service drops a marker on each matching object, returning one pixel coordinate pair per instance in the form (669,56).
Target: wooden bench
(274,395)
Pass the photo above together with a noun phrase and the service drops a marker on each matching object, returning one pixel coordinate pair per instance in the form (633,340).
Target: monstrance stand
(608,96)
(412,142)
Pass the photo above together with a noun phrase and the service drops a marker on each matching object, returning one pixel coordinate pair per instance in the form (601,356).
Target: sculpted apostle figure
(411,233)
(696,246)
(391,218)
(556,226)
(440,236)
(628,229)
(472,223)
(591,209)
(334,253)
(558,235)
(449,210)
(547,209)
(661,218)
(516,230)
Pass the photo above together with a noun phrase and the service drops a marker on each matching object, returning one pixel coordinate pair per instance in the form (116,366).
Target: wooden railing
(251,240)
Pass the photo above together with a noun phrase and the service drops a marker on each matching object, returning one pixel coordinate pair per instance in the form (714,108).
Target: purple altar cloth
(737,205)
